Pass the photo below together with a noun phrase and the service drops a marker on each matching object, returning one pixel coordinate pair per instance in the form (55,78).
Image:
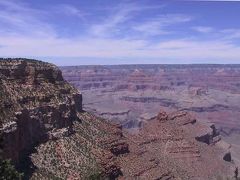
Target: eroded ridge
(166,148)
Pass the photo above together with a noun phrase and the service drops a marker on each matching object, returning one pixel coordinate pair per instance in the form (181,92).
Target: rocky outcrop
(163,102)
(197,91)
(227,157)
(39,102)
(30,71)
(162,116)
(208,135)
(166,148)
(42,120)
(182,118)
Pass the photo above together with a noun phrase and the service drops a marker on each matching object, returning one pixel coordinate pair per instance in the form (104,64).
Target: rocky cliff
(35,102)
(42,120)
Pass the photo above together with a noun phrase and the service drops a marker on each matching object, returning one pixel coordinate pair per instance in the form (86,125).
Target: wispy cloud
(158,25)
(231,33)
(120,14)
(69,10)
(203,29)
(109,25)
(186,49)
(19,19)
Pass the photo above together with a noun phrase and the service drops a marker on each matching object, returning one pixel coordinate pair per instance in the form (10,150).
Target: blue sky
(75,32)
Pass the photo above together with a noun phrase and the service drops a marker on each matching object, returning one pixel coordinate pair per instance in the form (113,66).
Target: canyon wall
(133,94)
(44,128)
(47,133)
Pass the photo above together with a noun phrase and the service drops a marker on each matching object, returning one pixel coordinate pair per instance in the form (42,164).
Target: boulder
(227,157)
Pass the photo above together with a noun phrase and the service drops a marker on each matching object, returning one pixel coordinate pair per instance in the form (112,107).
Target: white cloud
(120,14)
(231,33)
(108,48)
(19,19)
(203,29)
(69,10)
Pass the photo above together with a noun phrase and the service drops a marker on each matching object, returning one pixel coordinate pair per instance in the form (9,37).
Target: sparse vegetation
(95,176)
(236,174)
(8,172)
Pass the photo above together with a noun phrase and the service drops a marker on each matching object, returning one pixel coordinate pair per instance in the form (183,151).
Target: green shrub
(95,176)
(8,172)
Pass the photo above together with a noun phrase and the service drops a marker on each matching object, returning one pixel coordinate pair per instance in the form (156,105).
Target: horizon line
(148,64)
(43,59)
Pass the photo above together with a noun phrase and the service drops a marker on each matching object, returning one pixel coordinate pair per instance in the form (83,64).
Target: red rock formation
(166,148)
(162,116)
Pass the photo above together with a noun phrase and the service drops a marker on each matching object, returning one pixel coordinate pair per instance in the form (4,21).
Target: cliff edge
(45,132)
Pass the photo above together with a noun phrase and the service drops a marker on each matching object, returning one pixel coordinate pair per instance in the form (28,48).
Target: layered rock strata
(166,148)
(132,94)
(42,120)
(48,135)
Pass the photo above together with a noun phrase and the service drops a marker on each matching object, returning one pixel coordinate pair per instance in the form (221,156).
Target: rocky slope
(48,135)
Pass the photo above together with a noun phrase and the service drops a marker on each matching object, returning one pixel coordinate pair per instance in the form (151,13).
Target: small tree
(8,172)
(95,175)
(236,173)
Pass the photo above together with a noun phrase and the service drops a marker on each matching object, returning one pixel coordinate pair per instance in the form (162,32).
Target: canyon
(133,94)
(50,131)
